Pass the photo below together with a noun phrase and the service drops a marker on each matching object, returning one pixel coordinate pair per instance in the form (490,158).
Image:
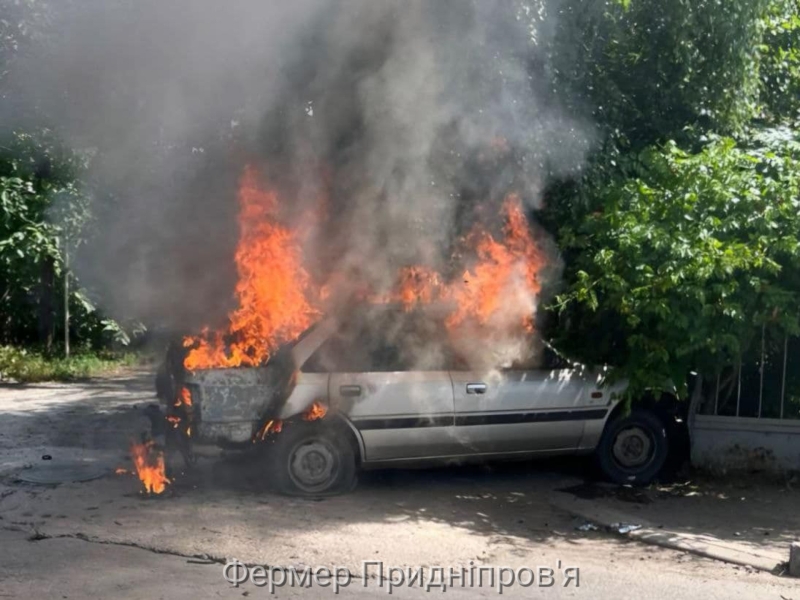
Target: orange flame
(504,283)
(315,412)
(498,289)
(495,297)
(149,464)
(271,426)
(418,285)
(271,288)
(184,397)
(121,471)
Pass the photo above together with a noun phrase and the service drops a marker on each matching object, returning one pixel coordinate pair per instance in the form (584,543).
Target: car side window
(360,353)
(424,343)
(326,358)
(389,342)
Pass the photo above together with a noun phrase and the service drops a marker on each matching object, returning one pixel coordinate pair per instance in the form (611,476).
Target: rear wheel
(313,459)
(633,448)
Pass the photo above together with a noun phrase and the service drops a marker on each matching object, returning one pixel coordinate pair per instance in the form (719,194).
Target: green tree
(780,62)
(20,22)
(42,208)
(648,69)
(679,242)
(682,262)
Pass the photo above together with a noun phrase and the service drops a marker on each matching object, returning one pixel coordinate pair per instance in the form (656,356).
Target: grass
(27,366)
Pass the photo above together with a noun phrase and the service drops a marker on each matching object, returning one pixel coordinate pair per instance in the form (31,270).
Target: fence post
(739,387)
(783,382)
(761,369)
(66,297)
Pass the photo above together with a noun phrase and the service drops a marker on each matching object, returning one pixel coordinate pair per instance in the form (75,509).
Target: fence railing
(765,383)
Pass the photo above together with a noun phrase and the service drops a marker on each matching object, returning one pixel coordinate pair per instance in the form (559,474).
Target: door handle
(350,391)
(476,388)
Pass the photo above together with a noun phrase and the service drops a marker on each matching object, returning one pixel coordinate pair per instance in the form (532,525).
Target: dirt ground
(490,515)
(749,509)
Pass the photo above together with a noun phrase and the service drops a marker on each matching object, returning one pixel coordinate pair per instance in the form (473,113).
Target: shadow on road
(506,501)
(500,499)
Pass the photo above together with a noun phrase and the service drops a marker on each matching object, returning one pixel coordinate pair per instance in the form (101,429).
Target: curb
(707,546)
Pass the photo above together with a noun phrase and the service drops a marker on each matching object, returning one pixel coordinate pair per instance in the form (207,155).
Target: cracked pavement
(103,538)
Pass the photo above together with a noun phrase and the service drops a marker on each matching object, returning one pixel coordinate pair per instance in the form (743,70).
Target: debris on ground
(624,528)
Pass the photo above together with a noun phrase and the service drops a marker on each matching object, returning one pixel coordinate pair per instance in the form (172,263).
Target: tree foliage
(20,21)
(682,262)
(44,211)
(648,69)
(681,238)
(780,62)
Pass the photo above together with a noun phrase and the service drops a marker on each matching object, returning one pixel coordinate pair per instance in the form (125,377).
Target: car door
(526,410)
(400,412)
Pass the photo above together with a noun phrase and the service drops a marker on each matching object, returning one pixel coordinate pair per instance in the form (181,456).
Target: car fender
(593,429)
(310,388)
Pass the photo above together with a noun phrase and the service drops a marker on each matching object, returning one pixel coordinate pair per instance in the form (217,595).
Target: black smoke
(414,119)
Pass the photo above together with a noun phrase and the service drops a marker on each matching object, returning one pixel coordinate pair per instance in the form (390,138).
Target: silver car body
(412,416)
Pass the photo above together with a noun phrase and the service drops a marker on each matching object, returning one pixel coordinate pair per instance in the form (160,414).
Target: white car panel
(399,414)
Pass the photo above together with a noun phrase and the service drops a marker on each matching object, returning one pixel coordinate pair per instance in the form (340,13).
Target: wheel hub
(313,465)
(632,447)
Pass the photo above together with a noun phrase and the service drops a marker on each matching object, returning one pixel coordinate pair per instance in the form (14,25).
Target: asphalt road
(76,569)
(103,539)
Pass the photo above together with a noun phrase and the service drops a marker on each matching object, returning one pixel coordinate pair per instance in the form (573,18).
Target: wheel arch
(665,405)
(353,434)
(342,422)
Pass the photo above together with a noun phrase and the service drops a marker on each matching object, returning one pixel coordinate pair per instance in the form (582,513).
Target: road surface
(104,539)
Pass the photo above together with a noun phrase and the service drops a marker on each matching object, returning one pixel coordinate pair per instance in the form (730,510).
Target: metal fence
(764,384)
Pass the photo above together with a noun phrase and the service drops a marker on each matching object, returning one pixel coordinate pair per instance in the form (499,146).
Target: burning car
(359,391)
(440,365)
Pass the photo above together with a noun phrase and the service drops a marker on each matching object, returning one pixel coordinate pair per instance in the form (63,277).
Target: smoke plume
(404,122)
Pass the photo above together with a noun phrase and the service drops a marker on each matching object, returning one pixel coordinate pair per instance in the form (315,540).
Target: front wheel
(312,459)
(633,448)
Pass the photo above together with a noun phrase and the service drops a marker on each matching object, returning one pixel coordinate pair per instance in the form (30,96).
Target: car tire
(313,459)
(633,448)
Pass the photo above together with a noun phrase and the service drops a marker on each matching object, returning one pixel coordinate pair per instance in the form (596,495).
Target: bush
(682,264)
(27,366)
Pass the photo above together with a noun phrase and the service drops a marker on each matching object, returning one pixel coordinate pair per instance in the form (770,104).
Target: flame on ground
(149,464)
